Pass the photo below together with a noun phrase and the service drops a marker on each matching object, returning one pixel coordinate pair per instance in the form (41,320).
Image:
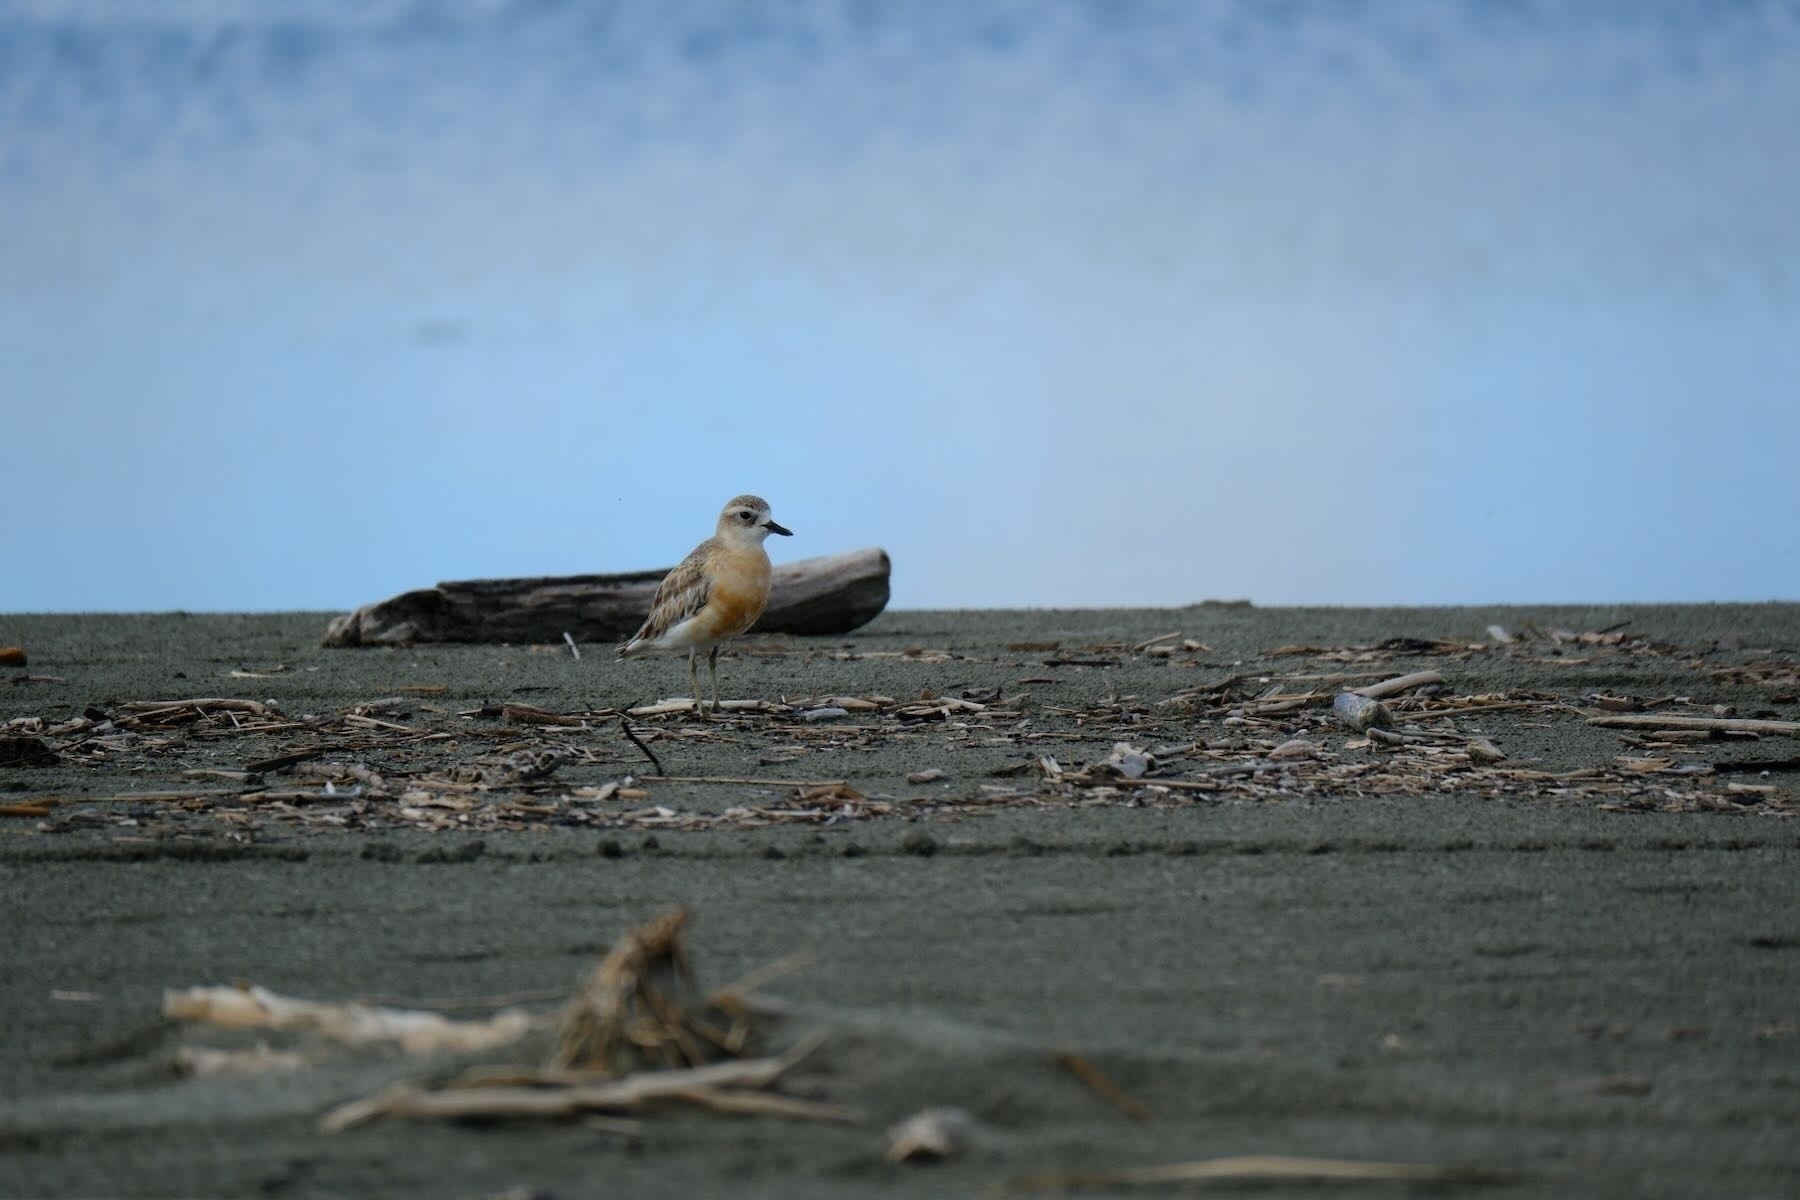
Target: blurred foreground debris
(413,1030)
(635,1036)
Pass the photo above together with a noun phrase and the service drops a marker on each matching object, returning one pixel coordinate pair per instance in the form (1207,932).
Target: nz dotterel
(716,593)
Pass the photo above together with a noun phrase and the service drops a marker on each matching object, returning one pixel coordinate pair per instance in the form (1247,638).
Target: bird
(714,594)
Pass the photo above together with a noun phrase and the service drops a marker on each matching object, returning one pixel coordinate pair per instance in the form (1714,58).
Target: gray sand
(1592,1002)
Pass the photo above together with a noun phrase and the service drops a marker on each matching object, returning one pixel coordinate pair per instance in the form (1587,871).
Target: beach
(1003,841)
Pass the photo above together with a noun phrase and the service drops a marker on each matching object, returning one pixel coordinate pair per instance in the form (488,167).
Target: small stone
(1483,752)
(920,843)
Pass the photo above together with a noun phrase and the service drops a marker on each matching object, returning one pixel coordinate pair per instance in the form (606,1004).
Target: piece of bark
(832,594)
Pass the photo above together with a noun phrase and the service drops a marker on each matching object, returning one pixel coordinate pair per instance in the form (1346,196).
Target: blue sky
(1141,303)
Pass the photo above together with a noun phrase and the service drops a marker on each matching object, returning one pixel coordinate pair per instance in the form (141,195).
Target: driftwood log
(832,594)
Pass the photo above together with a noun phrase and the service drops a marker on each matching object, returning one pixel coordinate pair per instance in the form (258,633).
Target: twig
(1091,1075)
(1718,724)
(573,648)
(1255,1166)
(732,995)
(648,753)
(1400,683)
(631,1092)
(415,1030)
(736,779)
(288,760)
(158,706)
(531,714)
(765,1104)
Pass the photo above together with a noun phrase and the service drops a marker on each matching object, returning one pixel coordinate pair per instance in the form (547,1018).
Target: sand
(1574,997)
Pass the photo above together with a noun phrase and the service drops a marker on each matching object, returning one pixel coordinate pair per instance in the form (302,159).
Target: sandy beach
(1137,837)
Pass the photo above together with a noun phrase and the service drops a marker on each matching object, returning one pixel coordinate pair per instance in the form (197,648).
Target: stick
(288,760)
(631,1092)
(1091,1075)
(1717,724)
(688,705)
(531,714)
(573,648)
(1400,683)
(415,1030)
(156,706)
(1179,785)
(806,783)
(1256,1166)
(648,753)
(765,1104)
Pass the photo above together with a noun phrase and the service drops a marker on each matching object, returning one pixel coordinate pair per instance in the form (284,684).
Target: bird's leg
(712,664)
(694,682)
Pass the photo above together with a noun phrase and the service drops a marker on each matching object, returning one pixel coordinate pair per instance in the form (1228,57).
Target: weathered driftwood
(832,594)
(1711,724)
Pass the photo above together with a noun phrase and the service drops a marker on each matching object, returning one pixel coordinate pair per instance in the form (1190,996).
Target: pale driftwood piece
(1711,724)
(1400,683)
(1361,713)
(1255,1166)
(832,594)
(151,707)
(416,1031)
(694,1085)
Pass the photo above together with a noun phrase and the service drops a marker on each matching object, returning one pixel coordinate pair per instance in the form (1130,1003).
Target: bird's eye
(743,516)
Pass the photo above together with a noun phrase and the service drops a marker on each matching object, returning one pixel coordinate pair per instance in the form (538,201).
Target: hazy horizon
(1064,305)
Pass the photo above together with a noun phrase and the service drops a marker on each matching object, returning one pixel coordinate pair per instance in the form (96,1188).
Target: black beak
(772,527)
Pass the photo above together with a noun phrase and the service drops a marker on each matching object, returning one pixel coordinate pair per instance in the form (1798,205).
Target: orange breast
(740,592)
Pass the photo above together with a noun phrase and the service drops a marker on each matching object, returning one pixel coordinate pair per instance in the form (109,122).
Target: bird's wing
(683,592)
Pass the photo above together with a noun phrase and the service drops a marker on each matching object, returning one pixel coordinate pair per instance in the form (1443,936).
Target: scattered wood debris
(636,1034)
(1300,720)
(731,1087)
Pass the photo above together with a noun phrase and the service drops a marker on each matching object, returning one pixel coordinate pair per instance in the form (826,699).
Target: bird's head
(747,519)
